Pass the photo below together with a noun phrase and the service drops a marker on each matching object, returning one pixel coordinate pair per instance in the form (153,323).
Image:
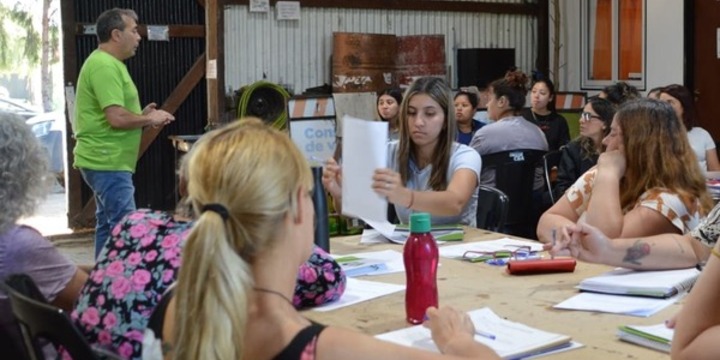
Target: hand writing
(448,324)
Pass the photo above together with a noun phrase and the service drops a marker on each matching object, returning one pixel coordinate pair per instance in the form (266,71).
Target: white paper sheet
(383,227)
(372,236)
(617,304)
(364,149)
(357,291)
(457,251)
(392,259)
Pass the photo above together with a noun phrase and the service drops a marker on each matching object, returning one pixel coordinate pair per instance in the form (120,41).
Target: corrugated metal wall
(157,68)
(298,52)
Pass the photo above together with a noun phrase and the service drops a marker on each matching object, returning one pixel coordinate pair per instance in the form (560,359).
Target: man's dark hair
(112,20)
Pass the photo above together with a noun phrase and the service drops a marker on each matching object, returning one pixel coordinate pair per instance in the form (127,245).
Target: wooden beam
(76,216)
(174,31)
(220,41)
(542,62)
(211,50)
(176,98)
(416,5)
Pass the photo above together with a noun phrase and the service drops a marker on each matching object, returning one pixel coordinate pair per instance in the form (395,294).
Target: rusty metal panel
(363,62)
(420,55)
(298,53)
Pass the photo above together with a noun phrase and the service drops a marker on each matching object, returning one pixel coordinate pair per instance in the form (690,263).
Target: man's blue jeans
(114,198)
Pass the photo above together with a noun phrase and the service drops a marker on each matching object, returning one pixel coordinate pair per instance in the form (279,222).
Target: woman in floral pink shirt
(138,265)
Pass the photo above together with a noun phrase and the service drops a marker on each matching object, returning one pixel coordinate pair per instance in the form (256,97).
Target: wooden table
(526,299)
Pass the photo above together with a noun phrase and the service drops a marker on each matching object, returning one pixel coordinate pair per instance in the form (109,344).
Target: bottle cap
(420,222)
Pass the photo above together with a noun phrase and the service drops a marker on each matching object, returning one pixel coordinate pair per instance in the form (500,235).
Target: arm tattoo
(637,251)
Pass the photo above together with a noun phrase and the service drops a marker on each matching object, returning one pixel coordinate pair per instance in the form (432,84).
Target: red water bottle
(420,256)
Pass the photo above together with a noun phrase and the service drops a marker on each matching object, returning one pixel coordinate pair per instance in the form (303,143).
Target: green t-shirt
(104,81)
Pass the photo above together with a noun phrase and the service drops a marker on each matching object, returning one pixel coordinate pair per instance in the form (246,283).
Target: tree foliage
(20,40)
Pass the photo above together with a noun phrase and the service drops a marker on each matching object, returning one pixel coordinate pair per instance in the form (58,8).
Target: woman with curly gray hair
(24,180)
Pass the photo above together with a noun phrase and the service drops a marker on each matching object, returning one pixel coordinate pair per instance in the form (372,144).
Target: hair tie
(218,209)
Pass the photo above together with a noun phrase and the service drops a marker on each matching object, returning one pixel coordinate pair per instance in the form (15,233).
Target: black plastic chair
(40,320)
(550,161)
(515,176)
(492,208)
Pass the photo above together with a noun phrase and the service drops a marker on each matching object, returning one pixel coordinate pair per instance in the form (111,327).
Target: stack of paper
(650,291)
(451,232)
(385,231)
(659,284)
(511,340)
(616,304)
(657,337)
(357,291)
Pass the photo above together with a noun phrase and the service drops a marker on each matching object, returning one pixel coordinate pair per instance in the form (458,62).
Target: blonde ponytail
(246,174)
(213,284)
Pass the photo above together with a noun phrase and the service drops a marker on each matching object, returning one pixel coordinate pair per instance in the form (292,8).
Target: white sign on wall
(315,138)
(288,10)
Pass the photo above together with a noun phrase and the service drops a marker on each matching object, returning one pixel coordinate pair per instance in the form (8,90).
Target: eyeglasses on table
(500,257)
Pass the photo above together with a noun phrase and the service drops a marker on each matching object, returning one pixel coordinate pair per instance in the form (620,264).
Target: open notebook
(657,337)
(511,340)
(659,284)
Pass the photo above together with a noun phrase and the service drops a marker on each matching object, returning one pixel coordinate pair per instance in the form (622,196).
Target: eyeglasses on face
(499,257)
(587,116)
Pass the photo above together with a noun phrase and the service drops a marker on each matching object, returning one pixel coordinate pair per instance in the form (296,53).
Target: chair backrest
(40,320)
(514,176)
(550,161)
(492,208)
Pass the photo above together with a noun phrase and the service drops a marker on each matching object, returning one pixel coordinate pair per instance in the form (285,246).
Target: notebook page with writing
(661,284)
(512,340)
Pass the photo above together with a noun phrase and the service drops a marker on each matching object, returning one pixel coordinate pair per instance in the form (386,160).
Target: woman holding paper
(647,182)
(250,186)
(427,169)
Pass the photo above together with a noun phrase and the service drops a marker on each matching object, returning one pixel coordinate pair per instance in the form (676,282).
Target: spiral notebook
(657,337)
(657,284)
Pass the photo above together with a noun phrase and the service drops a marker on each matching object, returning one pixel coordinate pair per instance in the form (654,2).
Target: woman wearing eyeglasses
(581,154)
(647,182)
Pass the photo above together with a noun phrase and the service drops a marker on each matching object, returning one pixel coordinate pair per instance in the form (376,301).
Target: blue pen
(485,334)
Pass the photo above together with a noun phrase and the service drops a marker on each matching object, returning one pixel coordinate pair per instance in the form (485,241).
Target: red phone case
(540,266)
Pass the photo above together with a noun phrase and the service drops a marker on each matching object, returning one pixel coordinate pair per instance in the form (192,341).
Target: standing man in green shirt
(109,120)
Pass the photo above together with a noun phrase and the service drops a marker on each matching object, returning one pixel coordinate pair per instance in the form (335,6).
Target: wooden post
(211,72)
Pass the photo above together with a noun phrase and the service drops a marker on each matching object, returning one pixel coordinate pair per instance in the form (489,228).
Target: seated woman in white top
(427,170)
(681,100)
(647,182)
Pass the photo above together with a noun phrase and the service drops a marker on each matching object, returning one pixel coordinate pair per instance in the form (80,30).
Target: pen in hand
(484,334)
(554,240)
